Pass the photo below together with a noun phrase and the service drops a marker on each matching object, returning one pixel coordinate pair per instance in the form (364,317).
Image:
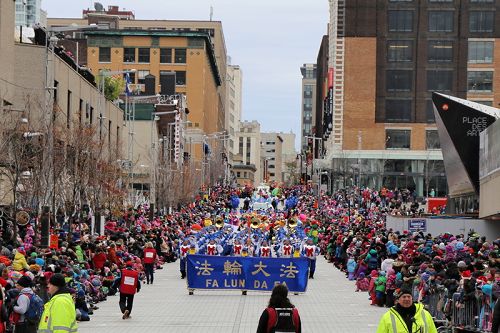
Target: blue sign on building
(417,225)
(246,273)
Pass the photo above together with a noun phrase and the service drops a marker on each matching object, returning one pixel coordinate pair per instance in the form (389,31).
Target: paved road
(330,305)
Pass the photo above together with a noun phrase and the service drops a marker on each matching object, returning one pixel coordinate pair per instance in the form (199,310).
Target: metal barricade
(464,312)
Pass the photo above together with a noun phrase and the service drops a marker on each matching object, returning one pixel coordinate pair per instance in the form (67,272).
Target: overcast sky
(269,39)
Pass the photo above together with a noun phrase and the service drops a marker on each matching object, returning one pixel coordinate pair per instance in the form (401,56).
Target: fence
(459,313)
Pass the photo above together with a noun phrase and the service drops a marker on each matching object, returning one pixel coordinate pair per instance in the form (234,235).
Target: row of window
(438,80)
(401,139)
(143,55)
(440,21)
(180,77)
(431,1)
(480,52)
(400,110)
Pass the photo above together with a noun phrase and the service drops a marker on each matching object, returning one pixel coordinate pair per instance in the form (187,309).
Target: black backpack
(282,320)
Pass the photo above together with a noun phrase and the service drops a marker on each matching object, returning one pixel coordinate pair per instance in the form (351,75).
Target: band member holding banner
(183,252)
(213,249)
(237,248)
(265,250)
(311,251)
(129,285)
(286,249)
(280,315)
(149,261)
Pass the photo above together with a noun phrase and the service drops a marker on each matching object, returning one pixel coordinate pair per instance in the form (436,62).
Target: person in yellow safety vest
(59,315)
(406,316)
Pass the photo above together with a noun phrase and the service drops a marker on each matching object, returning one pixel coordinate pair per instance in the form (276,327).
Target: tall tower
(28,12)
(308,117)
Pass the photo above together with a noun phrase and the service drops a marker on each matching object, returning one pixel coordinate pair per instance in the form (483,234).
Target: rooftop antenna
(211,12)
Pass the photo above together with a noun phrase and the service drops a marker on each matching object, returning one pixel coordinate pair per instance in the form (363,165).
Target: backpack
(282,320)
(35,309)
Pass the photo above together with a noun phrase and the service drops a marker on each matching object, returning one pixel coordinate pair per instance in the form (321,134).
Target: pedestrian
(59,315)
(280,315)
(21,306)
(149,262)
(495,326)
(406,316)
(129,285)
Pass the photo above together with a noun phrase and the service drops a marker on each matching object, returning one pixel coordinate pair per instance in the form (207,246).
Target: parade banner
(246,273)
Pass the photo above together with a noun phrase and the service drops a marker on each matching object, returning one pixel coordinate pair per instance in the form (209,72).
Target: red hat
(466,274)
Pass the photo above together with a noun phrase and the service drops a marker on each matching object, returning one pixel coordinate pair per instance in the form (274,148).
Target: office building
(271,157)
(247,162)
(29,13)
(308,106)
(233,108)
(387,57)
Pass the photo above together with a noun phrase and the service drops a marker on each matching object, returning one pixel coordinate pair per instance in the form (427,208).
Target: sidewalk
(329,305)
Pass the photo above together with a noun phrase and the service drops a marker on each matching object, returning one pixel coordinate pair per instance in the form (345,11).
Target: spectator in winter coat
(351,268)
(371,288)
(19,262)
(380,288)
(362,283)
(21,324)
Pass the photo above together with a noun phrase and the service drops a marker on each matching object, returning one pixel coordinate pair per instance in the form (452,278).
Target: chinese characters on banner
(246,273)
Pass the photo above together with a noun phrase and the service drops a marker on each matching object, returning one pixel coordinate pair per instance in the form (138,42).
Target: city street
(329,305)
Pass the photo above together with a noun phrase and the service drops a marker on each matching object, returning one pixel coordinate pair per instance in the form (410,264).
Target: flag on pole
(127,83)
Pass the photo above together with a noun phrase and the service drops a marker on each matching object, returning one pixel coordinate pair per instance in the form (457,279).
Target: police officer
(129,285)
(406,316)
(59,315)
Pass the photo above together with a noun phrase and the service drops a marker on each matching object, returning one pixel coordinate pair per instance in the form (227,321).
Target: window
(271,166)
(439,80)
(180,78)
(180,56)
(240,151)
(166,56)
(104,54)
(478,81)
(238,174)
(440,51)
(144,55)
(430,118)
(440,0)
(480,52)
(271,174)
(399,50)
(481,21)
(400,21)
(398,110)
(129,54)
(397,139)
(141,75)
(432,139)
(488,103)
(482,1)
(441,21)
(399,80)
(308,89)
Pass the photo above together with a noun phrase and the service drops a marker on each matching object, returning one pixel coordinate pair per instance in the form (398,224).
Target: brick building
(387,57)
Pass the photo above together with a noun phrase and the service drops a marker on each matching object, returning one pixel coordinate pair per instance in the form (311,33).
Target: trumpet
(292,223)
(219,222)
(255,223)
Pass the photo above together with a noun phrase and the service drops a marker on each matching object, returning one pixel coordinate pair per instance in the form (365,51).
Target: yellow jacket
(59,315)
(392,322)
(19,262)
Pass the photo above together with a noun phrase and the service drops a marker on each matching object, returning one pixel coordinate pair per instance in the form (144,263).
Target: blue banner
(246,273)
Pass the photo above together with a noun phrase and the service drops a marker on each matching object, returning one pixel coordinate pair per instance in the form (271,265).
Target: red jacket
(129,283)
(149,256)
(112,257)
(99,260)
